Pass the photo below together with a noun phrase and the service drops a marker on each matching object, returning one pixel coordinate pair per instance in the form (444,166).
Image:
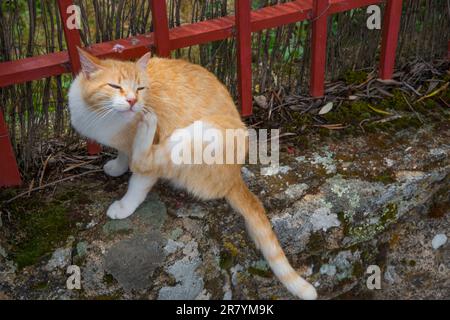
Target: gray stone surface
(337,208)
(133,261)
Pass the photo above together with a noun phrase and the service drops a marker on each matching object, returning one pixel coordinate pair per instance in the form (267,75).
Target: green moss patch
(42,231)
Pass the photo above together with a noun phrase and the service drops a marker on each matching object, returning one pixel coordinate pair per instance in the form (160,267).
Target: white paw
(114,168)
(118,211)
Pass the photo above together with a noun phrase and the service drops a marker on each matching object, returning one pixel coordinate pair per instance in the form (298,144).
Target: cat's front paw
(117,211)
(146,128)
(115,168)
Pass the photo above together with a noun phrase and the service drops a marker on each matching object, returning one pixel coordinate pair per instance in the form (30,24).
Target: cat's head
(114,86)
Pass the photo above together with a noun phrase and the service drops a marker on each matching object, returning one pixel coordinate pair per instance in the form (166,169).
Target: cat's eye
(115,86)
(141,88)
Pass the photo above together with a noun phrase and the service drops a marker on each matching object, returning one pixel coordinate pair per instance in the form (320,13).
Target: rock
(438,241)
(275,169)
(390,275)
(326,161)
(293,192)
(247,175)
(117,226)
(189,286)
(82,248)
(60,259)
(295,225)
(3,252)
(176,233)
(132,262)
(261,101)
(193,211)
(173,246)
(189,283)
(152,212)
(328,269)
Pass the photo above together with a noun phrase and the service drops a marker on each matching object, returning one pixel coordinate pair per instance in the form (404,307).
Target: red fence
(163,40)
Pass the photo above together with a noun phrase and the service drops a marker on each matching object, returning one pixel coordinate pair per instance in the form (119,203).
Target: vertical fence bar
(160,27)
(244,55)
(73,40)
(318,47)
(9,171)
(391,28)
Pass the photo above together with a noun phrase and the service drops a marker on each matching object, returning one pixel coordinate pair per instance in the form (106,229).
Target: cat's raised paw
(115,168)
(118,211)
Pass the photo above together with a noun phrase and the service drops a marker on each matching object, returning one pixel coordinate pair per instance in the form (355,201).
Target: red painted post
(160,27)
(391,28)
(318,47)
(244,55)
(9,172)
(73,40)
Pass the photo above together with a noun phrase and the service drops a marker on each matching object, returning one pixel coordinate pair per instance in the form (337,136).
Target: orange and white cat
(135,107)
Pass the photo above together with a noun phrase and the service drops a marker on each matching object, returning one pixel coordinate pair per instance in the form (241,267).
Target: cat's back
(180,82)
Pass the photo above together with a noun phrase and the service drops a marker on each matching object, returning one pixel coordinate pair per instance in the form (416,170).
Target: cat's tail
(260,229)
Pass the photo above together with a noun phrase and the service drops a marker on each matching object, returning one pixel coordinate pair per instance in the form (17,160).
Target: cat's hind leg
(117,166)
(138,188)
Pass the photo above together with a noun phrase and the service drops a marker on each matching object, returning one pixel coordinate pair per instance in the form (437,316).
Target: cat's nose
(132,101)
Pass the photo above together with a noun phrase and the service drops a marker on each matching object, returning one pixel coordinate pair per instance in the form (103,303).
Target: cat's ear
(89,63)
(143,61)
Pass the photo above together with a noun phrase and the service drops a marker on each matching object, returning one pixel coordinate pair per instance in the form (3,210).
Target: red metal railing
(163,40)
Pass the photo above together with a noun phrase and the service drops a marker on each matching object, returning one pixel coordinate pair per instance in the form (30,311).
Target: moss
(358,269)
(412,263)
(385,177)
(43,231)
(74,195)
(316,242)
(259,272)
(226,260)
(364,232)
(405,122)
(396,102)
(43,285)
(109,279)
(231,248)
(389,214)
(355,77)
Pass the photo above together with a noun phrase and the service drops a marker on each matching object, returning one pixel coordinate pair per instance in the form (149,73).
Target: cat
(136,107)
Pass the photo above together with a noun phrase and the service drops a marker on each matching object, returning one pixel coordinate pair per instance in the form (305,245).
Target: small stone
(390,275)
(388,162)
(296,191)
(194,211)
(91,224)
(82,248)
(247,174)
(2,252)
(59,259)
(328,269)
(438,241)
(261,101)
(275,169)
(172,246)
(176,233)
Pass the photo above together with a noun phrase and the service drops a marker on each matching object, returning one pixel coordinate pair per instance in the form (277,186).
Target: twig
(43,170)
(51,184)
(412,109)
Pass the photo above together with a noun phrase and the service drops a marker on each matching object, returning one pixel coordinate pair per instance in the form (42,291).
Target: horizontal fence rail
(163,40)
